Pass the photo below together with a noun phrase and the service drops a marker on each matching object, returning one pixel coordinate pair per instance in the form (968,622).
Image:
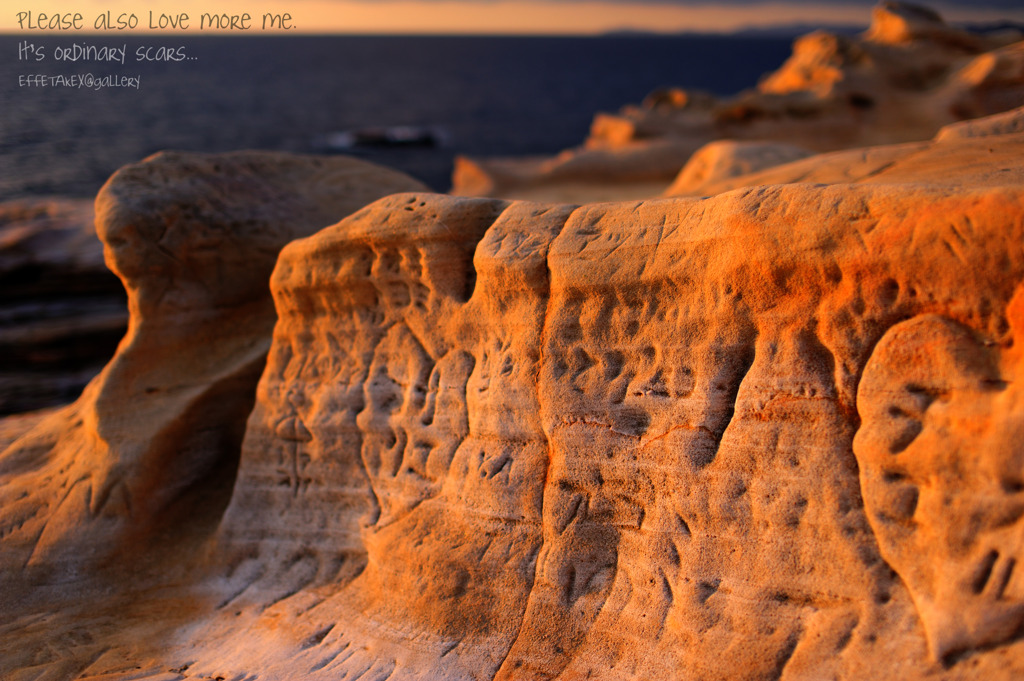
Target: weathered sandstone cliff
(152,444)
(768,434)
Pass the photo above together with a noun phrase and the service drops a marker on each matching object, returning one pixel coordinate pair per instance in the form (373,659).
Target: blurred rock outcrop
(982,151)
(907,76)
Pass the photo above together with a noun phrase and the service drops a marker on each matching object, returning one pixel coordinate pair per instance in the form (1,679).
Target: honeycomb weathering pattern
(611,441)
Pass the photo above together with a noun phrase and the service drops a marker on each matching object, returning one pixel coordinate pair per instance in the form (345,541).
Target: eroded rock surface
(193,238)
(900,81)
(769,434)
(932,396)
(621,445)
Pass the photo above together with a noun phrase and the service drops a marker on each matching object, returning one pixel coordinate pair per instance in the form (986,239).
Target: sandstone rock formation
(769,434)
(638,170)
(933,394)
(193,238)
(900,81)
(984,151)
(997,124)
(720,161)
(62,311)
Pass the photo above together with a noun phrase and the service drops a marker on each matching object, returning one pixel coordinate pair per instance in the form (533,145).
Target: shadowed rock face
(769,434)
(62,312)
(193,239)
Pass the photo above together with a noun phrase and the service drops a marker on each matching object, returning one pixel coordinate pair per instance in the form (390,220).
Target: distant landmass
(799,29)
(778,31)
(991,28)
(796,30)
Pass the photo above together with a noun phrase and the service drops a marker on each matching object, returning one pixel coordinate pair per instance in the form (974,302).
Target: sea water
(67,123)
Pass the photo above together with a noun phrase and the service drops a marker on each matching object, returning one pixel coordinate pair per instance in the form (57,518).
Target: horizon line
(455,33)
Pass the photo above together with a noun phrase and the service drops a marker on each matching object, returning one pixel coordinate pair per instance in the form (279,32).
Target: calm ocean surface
(491,96)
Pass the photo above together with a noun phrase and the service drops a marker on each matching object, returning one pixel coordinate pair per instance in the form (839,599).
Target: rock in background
(907,76)
(982,151)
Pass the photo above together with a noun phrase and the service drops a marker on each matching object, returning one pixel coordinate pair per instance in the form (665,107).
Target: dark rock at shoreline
(62,312)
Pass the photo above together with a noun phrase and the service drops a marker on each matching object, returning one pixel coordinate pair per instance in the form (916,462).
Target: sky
(487,16)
